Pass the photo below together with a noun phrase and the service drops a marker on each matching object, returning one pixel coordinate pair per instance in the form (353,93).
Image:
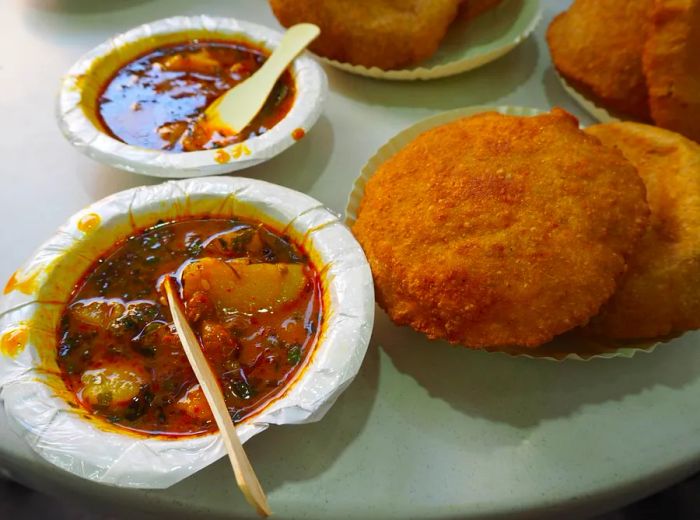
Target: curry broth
(119,352)
(157,100)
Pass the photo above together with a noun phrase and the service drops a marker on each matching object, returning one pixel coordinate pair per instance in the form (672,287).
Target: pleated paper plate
(569,346)
(597,112)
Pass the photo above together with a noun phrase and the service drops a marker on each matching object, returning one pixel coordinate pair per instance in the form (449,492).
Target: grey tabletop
(679,502)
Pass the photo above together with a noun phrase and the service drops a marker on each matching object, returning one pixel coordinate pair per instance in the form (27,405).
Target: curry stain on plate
(240,149)
(222,157)
(298,133)
(26,285)
(89,222)
(13,341)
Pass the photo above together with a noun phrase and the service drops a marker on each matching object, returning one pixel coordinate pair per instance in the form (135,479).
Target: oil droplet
(26,285)
(298,133)
(13,341)
(89,222)
(222,157)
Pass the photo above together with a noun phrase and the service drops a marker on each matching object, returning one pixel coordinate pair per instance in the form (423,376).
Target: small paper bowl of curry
(136,102)
(92,374)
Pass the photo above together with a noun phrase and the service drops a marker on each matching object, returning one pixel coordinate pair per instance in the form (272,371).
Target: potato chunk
(98,313)
(200,61)
(217,343)
(242,286)
(194,404)
(111,386)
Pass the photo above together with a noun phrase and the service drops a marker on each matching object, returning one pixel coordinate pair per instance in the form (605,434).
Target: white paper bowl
(568,346)
(82,82)
(467,45)
(31,388)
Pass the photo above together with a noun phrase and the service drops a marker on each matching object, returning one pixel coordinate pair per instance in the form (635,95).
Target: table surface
(679,502)
(425,429)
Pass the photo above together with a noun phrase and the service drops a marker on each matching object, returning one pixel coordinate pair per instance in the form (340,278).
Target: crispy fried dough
(388,34)
(597,46)
(470,9)
(498,230)
(672,66)
(660,293)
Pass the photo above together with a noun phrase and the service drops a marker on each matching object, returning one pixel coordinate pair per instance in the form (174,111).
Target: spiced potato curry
(158,99)
(251,295)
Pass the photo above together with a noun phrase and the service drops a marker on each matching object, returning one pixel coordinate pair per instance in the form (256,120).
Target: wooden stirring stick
(245,476)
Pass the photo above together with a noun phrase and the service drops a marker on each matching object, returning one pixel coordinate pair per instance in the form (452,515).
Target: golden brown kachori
(597,46)
(660,293)
(498,230)
(672,66)
(389,34)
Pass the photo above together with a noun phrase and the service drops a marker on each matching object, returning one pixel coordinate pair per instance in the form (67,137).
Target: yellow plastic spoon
(237,107)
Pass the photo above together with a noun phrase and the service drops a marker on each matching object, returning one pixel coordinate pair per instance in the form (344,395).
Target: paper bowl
(76,106)
(35,398)
(467,45)
(569,346)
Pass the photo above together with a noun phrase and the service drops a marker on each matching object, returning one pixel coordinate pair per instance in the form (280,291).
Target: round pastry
(500,230)
(660,293)
(470,9)
(389,34)
(672,66)
(597,46)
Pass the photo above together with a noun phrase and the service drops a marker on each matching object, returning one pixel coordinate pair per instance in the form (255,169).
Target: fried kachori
(389,34)
(597,46)
(470,9)
(672,66)
(497,230)
(660,293)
